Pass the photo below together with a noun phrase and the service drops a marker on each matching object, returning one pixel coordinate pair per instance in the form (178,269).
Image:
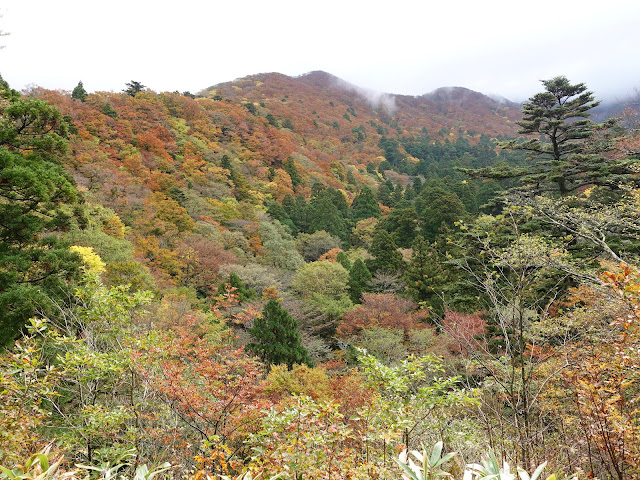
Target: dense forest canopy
(281,276)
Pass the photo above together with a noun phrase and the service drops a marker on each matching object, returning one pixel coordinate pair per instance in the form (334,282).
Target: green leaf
(408,471)
(435,453)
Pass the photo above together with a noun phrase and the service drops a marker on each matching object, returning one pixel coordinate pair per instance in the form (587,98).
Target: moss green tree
(289,166)
(133,88)
(387,258)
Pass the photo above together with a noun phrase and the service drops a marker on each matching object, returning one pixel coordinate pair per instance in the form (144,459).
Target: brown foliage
(385,310)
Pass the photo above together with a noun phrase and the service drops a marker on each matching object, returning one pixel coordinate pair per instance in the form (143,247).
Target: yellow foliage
(300,380)
(93,264)
(113,226)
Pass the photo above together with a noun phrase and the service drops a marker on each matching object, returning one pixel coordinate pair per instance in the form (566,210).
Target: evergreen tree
(277,212)
(238,288)
(384,195)
(272,120)
(365,205)
(287,124)
(359,280)
(436,206)
(402,223)
(133,88)
(35,193)
(300,215)
(563,152)
(276,339)
(290,167)
(324,215)
(427,277)
(79,93)
(351,180)
(384,249)
(343,260)
(225,162)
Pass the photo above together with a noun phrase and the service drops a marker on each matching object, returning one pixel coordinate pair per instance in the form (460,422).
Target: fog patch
(376,99)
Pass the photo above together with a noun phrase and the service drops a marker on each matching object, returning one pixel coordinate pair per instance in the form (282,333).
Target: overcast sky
(409,47)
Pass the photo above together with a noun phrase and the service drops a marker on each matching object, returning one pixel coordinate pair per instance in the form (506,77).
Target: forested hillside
(296,276)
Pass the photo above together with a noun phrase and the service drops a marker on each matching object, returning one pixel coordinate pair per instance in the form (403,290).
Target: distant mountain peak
(323,79)
(462,96)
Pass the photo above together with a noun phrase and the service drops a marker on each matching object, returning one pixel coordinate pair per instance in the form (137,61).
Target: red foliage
(209,384)
(465,330)
(384,310)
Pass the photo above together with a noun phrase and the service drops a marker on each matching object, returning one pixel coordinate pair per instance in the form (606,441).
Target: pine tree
(359,280)
(36,194)
(133,88)
(563,152)
(276,338)
(79,93)
(323,214)
(428,280)
(402,223)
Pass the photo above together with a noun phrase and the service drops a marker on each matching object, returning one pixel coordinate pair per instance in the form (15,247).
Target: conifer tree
(324,215)
(239,288)
(564,156)
(387,257)
(365,205)
(359,280)
(35,195)
(79,93)
(429,281)
(276,339)
(290,167)
(133,88)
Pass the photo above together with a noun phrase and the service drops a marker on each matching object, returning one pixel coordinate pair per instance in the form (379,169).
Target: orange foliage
(331,255)
(211,386)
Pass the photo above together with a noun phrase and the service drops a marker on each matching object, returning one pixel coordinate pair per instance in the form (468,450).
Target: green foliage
(276,339)
(387,258)
(313,246)
(438,207)
(329,279)
(93,415)
(279,246)
(327,211)
(36,467)
(359,280)
(567,152)
(429,467)
(108,110)
(236,286)
(133,88)
(79,93)
(36,194)
(418,399)
(402,224)
(364,205)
